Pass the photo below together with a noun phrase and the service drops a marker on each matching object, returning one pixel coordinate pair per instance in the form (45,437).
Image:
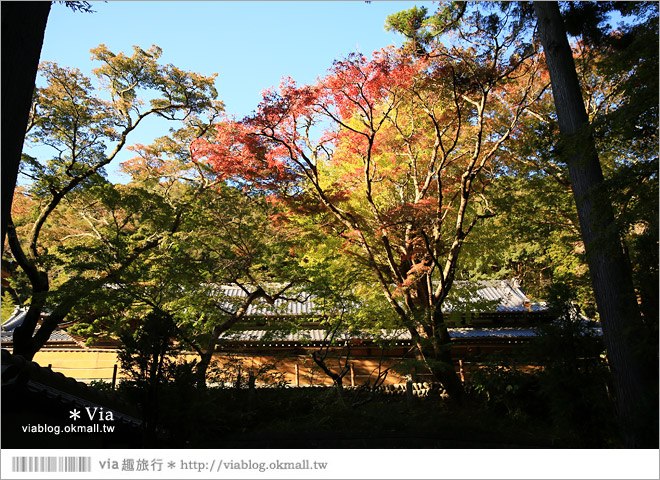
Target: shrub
(505,389)
(574,382)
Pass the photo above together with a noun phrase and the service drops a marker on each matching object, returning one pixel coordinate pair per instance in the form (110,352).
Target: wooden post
(114,376)
(461,371)
(352,376)
(297,368)
(251,385)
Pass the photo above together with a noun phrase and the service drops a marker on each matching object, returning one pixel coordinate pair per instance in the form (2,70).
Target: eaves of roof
(57,337)
(319,335)
(506,294)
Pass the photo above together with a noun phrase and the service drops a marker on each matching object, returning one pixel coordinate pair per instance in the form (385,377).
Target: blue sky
(250,44)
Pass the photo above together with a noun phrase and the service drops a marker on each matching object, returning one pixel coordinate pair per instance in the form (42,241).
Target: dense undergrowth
(513,415)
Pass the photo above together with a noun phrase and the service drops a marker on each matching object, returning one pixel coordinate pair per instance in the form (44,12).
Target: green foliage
(101,385)
(464,299)
(224,237)
(411,23)
(7,306)
(147,350)
(236,371)
(420,28)
(76,230)
(535,235)
(160,384)
(172,87)
(315,417)
(533,238)
(346,291)
(183,414)
(620,66)
(575,380)
(506,389)
(192,233)
(561,379)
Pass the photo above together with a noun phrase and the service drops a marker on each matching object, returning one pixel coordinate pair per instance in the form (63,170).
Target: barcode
(51,464)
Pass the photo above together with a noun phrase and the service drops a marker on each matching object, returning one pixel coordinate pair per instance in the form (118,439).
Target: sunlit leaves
(87,230)
(398,173)
(174,89)
(69,119)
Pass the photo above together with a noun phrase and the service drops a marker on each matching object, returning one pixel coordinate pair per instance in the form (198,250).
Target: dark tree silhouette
(610,273)
(23,28)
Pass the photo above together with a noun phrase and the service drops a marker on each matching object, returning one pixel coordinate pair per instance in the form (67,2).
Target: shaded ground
(318,418)
(502,410)
(303,418)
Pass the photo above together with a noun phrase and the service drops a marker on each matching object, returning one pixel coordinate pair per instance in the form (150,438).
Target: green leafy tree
(610,271)
(534,235)
(148,358)
(7,306)
(577,144)
(86,134)
(350,301)
(224,237)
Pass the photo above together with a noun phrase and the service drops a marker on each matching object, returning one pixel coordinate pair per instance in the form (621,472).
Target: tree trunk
(337,379)
(439,363)
(23,27)
(436,354)
(27,339)
(611,275)
(202,369)
(207,356)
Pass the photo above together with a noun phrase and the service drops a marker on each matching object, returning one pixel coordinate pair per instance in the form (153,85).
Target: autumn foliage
(396,152)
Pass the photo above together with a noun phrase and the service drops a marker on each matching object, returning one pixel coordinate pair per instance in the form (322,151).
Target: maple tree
(224,241)
(399,171)
(224,238)
(87,133)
